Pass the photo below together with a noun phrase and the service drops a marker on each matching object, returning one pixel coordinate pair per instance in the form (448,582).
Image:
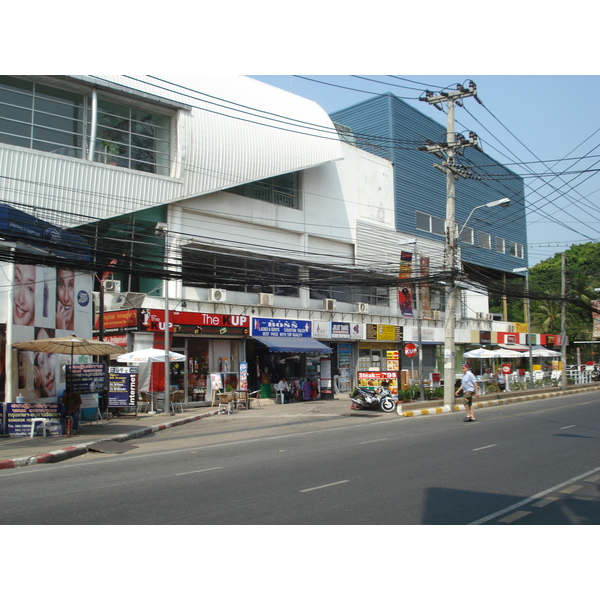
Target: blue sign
(280,327)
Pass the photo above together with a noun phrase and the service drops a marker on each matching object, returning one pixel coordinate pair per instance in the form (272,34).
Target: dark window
(282,190)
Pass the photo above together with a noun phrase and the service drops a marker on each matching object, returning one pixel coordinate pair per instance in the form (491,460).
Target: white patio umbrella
(542,352)
(480,353)
(504,353)
(149,355)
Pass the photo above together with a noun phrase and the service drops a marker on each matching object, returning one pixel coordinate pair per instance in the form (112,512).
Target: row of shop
(330,357)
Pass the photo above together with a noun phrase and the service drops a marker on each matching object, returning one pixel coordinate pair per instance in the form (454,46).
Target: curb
(486,404)
(73,451)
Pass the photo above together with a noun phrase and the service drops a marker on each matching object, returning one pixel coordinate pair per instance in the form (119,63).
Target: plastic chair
(279,397)
(254,396)
(241,399)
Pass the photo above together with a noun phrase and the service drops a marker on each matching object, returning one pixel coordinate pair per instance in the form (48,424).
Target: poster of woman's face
(65,299)
(44,368)
(24,295)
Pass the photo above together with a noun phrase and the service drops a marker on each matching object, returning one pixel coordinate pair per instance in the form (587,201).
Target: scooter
(381,398)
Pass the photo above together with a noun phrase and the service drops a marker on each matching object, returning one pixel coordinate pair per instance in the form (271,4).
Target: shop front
(378,356)
(285,349)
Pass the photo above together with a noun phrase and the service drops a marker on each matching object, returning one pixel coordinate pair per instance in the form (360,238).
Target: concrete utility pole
(563,322)
(449,149)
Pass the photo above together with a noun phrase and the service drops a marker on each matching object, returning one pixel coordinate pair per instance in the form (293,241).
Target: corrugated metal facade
(419,186)
(229,130)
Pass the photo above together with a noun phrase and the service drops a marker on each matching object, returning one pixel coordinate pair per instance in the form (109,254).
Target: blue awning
(293,344)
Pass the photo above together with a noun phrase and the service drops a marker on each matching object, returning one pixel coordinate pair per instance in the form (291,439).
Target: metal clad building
(499,234)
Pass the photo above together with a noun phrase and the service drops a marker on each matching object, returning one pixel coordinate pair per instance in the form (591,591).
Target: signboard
(374,379)
(19,416)
(122,386)
(410,350)
(85,378)
(281,327)
(384,332)
(154,320)
(119,321)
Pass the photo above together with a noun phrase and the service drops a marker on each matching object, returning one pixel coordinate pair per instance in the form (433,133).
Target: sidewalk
(24,451)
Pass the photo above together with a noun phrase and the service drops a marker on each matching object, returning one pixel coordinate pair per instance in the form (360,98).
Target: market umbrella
(541,351)
(504,353)
(149,355)
(70,344)
(480,353)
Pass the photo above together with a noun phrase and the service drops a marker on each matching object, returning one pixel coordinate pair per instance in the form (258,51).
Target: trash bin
(265,390)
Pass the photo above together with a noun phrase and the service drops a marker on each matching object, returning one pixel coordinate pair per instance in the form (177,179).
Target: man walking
(469,389)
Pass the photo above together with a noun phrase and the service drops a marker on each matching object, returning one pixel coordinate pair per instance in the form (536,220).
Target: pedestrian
(468,388)
(72,403)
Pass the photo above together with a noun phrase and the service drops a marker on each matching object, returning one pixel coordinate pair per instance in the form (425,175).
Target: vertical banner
(424,288)
(405,292)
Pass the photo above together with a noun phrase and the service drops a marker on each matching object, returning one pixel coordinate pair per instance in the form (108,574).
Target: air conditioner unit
(265,299)
(479,315)
(362,307)
(436,314)
(328,304)
(489,317)
(111,285)
(215,295)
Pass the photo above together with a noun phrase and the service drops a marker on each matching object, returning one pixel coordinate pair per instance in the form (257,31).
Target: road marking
(593,479)
(319,487)
(200,471)
(545,502)
(568,427)
(373,441)
(517,515)
(532,498)
(571,489)
(483,447)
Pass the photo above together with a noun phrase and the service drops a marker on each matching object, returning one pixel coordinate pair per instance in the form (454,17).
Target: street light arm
(502,202)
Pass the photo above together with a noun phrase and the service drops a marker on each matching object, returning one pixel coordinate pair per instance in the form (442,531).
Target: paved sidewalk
(24,451)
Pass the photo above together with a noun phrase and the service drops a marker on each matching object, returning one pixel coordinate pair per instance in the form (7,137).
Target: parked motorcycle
(380,398)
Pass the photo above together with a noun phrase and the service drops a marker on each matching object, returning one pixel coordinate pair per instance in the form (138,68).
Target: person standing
(468,388)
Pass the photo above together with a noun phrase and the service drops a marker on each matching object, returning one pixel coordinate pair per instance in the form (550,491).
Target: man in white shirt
(469,389)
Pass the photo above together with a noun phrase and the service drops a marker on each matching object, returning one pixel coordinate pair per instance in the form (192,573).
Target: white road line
(324,486)
(373,441)
(200,471)
(483,447)
(568,427)
(532,498)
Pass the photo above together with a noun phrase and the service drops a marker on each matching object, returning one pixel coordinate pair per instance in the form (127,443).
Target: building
(271,232)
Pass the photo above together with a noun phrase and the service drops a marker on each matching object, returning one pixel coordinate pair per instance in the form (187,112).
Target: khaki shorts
(468,398)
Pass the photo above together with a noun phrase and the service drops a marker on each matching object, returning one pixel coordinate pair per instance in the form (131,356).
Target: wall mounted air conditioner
(215,295)
(489,317)
(479,315)
(266,299)
(436,314)
(328,304)
(111,285)
(362,307)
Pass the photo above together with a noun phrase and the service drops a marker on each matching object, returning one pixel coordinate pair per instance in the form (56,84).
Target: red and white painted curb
(72,451)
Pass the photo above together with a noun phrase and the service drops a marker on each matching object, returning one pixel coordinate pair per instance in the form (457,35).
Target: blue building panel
(393,124)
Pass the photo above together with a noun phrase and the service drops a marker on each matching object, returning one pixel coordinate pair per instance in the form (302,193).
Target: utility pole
(563,322)
(449,149)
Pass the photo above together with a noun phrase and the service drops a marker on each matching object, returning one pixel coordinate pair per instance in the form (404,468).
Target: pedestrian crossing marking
(514,516)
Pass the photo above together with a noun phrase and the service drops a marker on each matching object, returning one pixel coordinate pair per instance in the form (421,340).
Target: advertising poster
(405,291)
(19,417)
(374,379)
(281,327)
(122,386)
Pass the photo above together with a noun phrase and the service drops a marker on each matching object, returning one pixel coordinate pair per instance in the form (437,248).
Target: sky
(544,127)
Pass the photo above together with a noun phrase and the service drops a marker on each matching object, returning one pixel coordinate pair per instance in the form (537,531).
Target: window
(132,138)
(282,190)
(485,240)
(466,235)
(500,245)
(430,223)
(40,117)
(517,250)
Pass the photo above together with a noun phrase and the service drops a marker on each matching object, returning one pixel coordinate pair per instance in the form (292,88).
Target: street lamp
(527,304)
(451,289)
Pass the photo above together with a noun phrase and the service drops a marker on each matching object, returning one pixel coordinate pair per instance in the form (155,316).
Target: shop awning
(298,344)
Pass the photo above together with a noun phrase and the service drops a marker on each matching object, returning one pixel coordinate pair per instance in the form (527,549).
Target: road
(529,463)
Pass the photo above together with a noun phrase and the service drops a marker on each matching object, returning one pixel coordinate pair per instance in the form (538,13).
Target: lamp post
(528,308)
(451,289)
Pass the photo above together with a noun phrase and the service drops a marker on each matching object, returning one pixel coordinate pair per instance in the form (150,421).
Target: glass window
(485,240)
(467,235)
(37,116)
(438,225)
(500,245)
(423,221)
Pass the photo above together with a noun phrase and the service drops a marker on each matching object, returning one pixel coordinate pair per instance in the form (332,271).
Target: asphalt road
(531,463)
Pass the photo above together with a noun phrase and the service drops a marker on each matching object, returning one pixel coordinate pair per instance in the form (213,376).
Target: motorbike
(380,398)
